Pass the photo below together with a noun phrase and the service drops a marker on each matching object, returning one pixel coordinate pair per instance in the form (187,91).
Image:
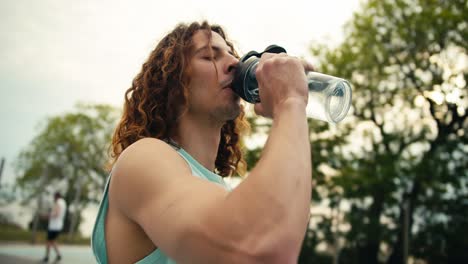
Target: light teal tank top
(98,239)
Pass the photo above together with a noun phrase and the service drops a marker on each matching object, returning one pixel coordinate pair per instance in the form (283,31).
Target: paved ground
(28,254)
(6,259)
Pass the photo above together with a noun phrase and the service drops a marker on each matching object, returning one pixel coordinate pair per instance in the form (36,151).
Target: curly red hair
(158,97)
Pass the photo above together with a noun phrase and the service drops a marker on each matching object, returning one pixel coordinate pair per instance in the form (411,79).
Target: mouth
(226,83)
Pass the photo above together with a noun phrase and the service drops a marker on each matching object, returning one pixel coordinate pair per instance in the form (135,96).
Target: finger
(307,65)
(267,55)
(258,108)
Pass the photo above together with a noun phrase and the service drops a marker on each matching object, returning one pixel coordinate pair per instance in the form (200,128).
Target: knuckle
(296,61)
(268,64)
(266,55)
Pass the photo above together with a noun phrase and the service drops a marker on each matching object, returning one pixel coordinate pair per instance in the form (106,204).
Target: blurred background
(390,181)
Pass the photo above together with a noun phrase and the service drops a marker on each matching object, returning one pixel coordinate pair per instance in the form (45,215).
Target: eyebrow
(215,49)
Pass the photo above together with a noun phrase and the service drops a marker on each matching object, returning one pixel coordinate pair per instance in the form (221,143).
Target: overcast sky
(54,53)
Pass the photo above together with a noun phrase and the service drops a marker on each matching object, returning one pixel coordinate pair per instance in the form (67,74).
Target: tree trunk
(400,247)
(369,253)
(76,202)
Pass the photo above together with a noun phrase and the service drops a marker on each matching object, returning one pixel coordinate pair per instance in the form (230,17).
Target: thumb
(258,108)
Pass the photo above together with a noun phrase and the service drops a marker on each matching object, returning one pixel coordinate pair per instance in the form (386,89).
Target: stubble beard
(228,112)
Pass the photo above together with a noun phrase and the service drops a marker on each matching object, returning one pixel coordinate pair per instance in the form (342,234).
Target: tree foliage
(406,142)
(69,155)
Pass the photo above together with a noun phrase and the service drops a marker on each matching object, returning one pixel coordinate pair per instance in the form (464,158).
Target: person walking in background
(56,220)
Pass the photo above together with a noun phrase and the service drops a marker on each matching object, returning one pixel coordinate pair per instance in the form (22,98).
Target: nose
(231,64)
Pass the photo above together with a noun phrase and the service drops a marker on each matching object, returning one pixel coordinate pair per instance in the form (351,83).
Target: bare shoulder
(147,154)
(145,146)
(146,170)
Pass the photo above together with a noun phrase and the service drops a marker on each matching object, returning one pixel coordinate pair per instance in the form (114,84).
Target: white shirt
(57,216)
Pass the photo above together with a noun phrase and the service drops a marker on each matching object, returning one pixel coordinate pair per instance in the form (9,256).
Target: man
(56,219)
(165,201)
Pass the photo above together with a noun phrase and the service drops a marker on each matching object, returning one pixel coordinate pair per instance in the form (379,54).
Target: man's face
(212,71)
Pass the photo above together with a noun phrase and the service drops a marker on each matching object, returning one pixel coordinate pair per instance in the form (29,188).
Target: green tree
(69,155)
(404,150)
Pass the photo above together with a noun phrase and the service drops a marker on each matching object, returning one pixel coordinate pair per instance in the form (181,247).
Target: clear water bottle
(329,96)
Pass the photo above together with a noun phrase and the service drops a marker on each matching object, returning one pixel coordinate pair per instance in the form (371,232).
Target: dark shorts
(52,235)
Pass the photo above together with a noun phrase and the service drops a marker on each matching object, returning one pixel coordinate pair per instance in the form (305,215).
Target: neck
(200,138)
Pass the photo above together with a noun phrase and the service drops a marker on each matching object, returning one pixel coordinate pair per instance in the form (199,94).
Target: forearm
(274,200)
(284,170)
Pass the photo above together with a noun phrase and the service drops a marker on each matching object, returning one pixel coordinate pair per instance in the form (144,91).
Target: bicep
(179,213)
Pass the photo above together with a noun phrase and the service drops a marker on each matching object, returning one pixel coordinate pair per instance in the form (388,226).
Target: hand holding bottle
(280,78)
(329,97)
